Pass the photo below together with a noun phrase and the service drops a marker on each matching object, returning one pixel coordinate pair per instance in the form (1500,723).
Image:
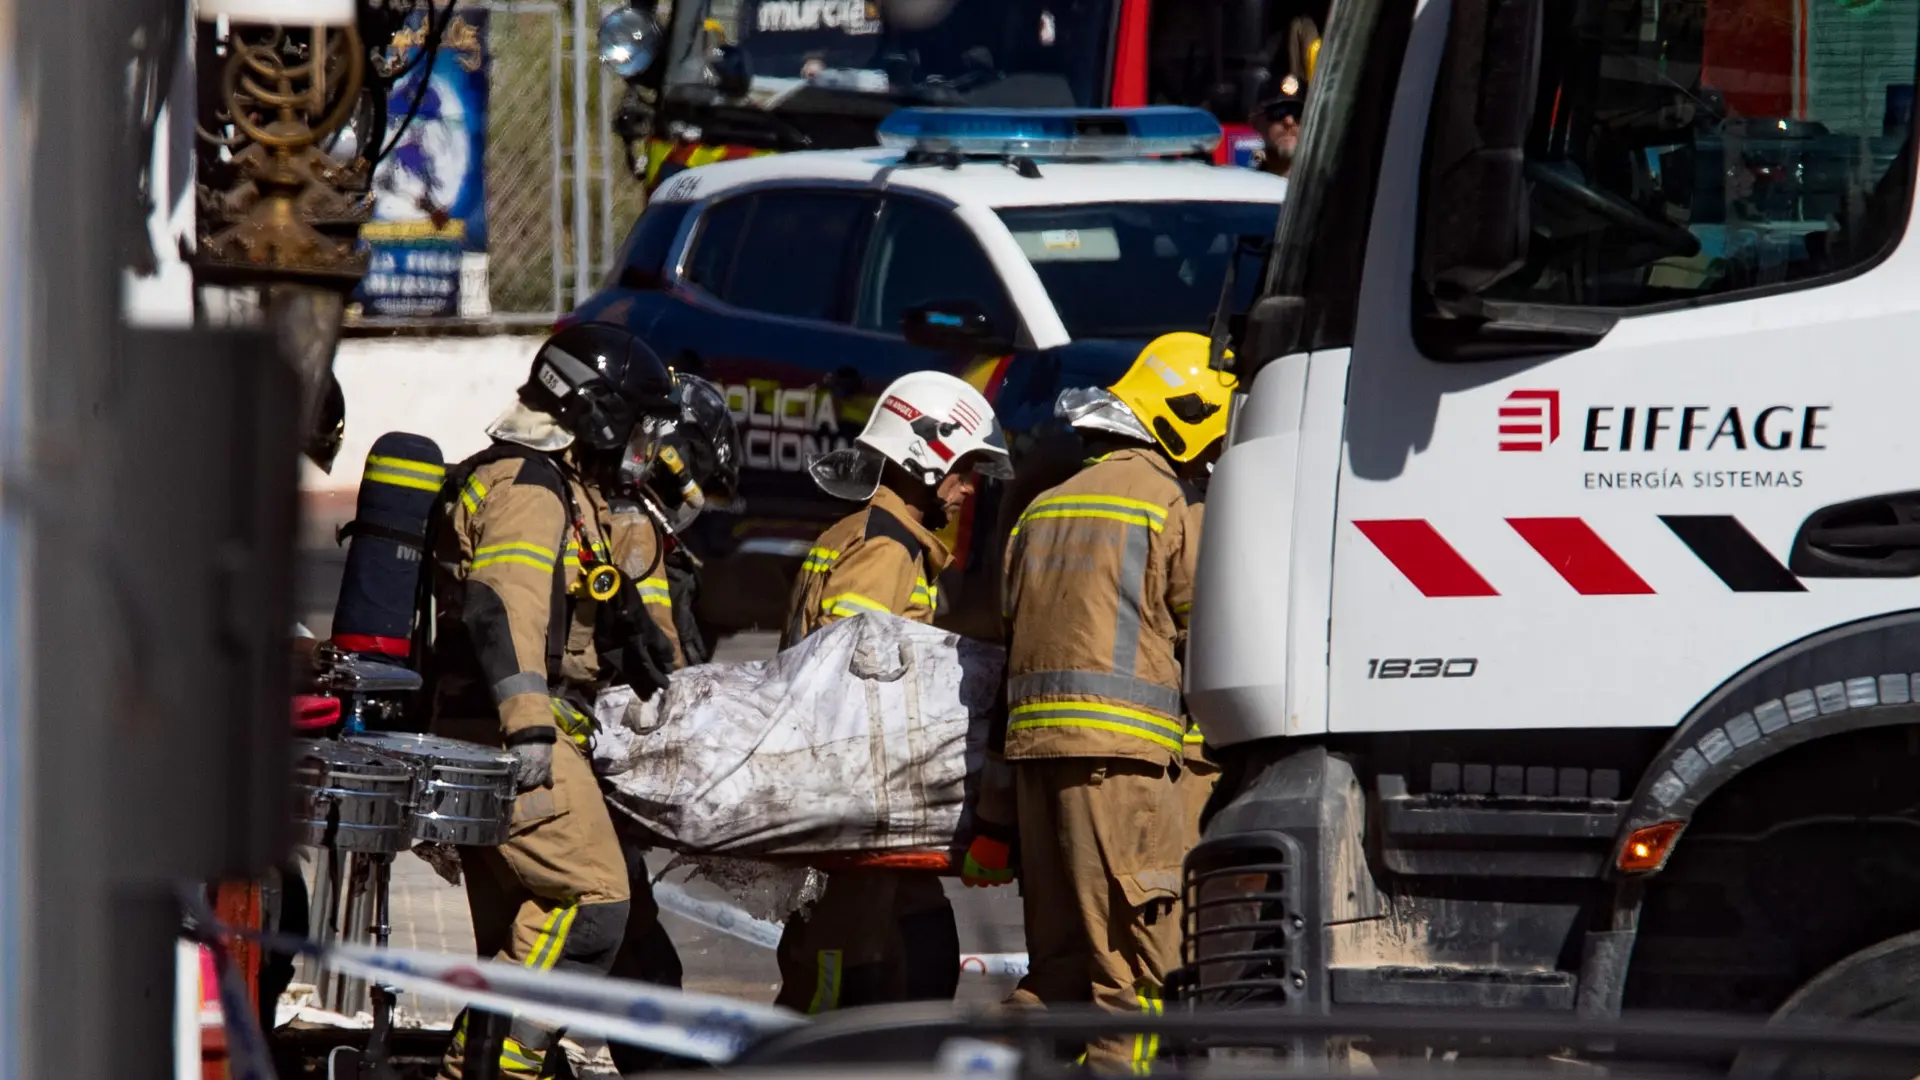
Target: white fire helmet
(927,423)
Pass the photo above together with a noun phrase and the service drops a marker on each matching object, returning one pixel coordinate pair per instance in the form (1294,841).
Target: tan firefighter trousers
(1101,841)
(554,897)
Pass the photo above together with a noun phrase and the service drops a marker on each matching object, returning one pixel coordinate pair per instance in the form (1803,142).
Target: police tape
(687,1023)
(730,920)
(690,1024)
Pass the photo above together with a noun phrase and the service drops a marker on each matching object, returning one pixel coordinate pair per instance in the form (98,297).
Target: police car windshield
(1010,53)
(1138,270)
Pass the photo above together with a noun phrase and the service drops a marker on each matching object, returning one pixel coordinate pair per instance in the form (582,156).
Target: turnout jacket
(636,551)
(514,628)
(1099,581)
(879,558)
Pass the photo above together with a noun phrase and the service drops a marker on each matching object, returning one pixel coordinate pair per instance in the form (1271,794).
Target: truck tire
(1879,983)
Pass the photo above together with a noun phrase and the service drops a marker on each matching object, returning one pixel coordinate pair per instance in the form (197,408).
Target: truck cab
(1557,623)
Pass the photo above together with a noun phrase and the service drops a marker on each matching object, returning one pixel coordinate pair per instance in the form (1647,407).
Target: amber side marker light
(1647,848)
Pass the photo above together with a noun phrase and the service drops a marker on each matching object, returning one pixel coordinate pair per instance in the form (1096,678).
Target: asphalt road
(430,914)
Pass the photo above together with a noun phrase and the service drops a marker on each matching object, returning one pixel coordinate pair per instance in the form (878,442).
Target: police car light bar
(1160,130)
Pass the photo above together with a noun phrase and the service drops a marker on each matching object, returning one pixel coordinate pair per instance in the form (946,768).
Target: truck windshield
(1002,53)
(1675,155)
(1139,270)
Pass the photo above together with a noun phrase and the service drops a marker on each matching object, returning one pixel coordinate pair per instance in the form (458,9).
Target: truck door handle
(1873,537)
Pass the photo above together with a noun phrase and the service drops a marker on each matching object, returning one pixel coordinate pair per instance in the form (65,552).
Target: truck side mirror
(953,326)
(1474,207)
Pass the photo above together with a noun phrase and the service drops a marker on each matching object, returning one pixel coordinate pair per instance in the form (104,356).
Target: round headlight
(629,41)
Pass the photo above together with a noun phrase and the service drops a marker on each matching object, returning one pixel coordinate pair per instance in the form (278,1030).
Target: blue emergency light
(1058,134)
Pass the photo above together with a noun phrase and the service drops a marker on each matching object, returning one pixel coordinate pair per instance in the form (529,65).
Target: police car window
(796,254)
(1139,270)
(643,255)
(716,243)
(919,255)
(1683,149)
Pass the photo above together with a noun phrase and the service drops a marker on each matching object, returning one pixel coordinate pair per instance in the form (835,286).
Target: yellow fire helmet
(1180,399)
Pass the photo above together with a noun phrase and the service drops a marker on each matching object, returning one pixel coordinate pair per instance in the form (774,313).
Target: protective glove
(532,765)
(986,863)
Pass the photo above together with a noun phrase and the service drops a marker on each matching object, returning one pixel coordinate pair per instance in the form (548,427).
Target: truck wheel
(1880,983)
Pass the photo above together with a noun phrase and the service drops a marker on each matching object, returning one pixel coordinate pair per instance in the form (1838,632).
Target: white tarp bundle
(868,736)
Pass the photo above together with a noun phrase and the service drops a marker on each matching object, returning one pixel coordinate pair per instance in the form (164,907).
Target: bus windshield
(1001,53)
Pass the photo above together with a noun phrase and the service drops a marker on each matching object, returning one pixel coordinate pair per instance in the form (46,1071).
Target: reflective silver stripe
(527,682)
(1087,714)
(1095,684)
(1126,629)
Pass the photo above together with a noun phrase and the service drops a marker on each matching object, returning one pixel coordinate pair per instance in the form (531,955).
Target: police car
(1026,251)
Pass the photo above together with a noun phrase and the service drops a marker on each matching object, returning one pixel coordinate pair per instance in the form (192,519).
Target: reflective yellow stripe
(577,725)
(600,549)
(517,1060)
(517,552)
(1111,502)
(1098,716)
(383,476)
(1147,1047)
(848,604)
(540,942)
(517,545)
(560,937)
(473,494)
(1109,507)
(819,560)
(1110,515)
(1118,711)
(922,592)
(406,465)
(1193,737)
(656,592)
(523,560)
(826,988)
(1096,725)
(1139,1061)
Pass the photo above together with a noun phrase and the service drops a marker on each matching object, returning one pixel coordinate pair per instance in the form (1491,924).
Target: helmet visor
(643,445)
(1093,408)
(992,460)
(852,474)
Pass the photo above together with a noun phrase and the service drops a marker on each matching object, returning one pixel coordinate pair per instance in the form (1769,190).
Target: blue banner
(428,236)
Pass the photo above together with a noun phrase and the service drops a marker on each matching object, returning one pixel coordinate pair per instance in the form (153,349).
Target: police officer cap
(1285,97)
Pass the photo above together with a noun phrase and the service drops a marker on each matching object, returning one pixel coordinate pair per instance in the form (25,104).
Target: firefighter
(1098,583)
(522,563)
(696,468)
(881,935)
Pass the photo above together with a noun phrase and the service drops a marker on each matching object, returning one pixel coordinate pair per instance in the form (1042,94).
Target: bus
(713,80)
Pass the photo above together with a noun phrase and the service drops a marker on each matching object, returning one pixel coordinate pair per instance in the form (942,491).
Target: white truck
(1558,620)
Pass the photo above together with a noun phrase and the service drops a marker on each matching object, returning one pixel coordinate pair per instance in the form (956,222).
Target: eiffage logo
(1529,420)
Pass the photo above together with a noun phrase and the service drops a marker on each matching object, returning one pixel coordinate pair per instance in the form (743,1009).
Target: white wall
(447,389)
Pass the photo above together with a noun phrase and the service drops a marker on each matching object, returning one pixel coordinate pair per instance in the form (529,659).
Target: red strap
(372,643)
(938,861)
(311,712)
